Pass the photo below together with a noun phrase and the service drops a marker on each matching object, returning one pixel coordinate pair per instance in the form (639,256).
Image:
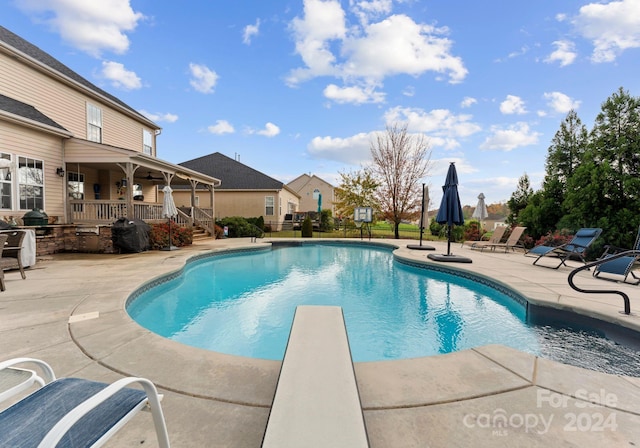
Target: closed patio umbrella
(450,214)
(480,213)
(169,211)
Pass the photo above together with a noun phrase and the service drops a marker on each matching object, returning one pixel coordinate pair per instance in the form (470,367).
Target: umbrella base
(170,248)
(420,247)
(449,258)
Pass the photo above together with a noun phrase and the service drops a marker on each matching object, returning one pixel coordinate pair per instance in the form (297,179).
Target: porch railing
(106,212)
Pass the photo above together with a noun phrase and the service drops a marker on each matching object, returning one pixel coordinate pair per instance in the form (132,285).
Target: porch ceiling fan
(150,178)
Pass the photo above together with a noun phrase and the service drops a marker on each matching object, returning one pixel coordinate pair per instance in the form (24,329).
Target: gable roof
(27,111)
(233,174)
(15,42)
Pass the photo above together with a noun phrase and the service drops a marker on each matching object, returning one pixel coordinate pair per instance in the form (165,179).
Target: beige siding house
(308,188)
(243,191)
(76,152)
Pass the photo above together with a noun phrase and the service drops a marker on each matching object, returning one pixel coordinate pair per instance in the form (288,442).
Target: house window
(94,123)
(30,183)
(147,142)
(6,198)
(269,204)
(197,201)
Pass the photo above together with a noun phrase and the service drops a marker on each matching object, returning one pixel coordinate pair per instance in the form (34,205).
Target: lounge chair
(622,266)
(576,248)
(72,411)
(12,254)
(512,242)
(495,238)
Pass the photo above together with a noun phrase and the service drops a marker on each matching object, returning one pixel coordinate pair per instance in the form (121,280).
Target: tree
(519,199)
(356,189)
(400,161)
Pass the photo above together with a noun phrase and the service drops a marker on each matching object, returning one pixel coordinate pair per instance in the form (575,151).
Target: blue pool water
(243,304)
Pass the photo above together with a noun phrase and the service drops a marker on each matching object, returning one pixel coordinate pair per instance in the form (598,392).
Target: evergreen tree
(519,199)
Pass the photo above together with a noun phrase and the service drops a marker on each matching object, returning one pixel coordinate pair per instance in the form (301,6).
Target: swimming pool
(243,304)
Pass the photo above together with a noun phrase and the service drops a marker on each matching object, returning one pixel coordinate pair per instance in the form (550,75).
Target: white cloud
(91,26)
(353,94)
(119,76)
(158,117)
(353,150)
(564,53)
(612,27)
(221,127)
(369,52)
(515,136)
(203,78)
(513,105)
(468,101)
(398,45)
(561,103)
(250,31)
(270,130)
(441,126)
(368,10)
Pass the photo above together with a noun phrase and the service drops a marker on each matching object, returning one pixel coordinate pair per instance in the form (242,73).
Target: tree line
(592,177)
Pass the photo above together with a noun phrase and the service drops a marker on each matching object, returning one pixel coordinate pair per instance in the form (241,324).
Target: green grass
(378,230)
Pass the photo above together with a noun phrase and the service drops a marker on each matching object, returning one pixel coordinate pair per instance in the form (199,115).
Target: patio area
(70,312)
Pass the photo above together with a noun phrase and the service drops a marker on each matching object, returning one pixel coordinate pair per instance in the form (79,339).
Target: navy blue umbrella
(450,212)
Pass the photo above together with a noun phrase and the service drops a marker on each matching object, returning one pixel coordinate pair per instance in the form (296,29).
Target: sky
(289,87)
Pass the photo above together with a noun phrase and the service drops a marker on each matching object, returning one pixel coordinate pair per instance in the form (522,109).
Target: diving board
(316,403)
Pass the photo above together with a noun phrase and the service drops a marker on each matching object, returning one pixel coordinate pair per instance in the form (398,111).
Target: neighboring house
(73,150)
(243,191)
(309,187)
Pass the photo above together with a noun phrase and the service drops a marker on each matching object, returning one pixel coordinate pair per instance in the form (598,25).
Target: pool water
(243,304)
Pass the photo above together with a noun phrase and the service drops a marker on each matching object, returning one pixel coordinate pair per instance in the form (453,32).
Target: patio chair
(12,254)
(576,248)
(495,238)
(72,411)
(512,242)
(622,266)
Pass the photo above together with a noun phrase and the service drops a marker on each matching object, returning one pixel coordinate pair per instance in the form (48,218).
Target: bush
(307,228)
(218,231)
(159,235)
(435,228)
(555,239)
(473,231)
(238,227)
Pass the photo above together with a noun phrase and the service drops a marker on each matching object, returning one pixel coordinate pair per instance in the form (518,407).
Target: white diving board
(316,403)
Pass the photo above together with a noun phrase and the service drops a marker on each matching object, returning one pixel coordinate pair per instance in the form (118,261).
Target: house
(309,187)
(76,152)
(243,191)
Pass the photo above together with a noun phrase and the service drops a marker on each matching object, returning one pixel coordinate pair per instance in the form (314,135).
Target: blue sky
(293,86)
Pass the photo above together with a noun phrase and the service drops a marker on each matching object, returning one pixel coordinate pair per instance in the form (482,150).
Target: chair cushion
(27,422)
(586,233)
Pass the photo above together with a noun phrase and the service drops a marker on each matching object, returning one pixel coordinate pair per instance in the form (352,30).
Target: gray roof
(233,174)
(26,111)
(41,56)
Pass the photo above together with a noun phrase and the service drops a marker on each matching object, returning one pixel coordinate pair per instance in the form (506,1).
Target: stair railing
(625,297)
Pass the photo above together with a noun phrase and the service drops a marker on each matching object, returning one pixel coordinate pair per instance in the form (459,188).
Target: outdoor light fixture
(60,171)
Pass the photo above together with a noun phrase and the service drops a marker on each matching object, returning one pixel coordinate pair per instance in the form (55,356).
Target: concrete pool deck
(70,312)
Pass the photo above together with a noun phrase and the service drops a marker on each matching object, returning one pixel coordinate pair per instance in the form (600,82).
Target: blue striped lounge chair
(576,248)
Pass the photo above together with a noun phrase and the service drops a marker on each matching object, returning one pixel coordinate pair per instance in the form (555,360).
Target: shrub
(159,235)
(554,239)
(307,228)
(435,228)
(238,227)
(218,231)
(473,231)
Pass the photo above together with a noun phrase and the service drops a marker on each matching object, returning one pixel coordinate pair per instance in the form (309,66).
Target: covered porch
(104,183)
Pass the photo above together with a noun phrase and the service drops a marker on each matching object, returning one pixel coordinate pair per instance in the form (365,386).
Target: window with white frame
(147,142)
(94,123)
(6,189)
(30,183)
(269,205)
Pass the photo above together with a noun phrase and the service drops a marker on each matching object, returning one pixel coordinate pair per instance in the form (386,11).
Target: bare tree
(400,162)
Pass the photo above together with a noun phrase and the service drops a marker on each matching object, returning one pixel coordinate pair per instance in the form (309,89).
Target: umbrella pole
(422,216)
(449,240)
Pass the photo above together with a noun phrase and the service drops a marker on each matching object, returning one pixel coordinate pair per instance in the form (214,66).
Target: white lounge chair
(72,411)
